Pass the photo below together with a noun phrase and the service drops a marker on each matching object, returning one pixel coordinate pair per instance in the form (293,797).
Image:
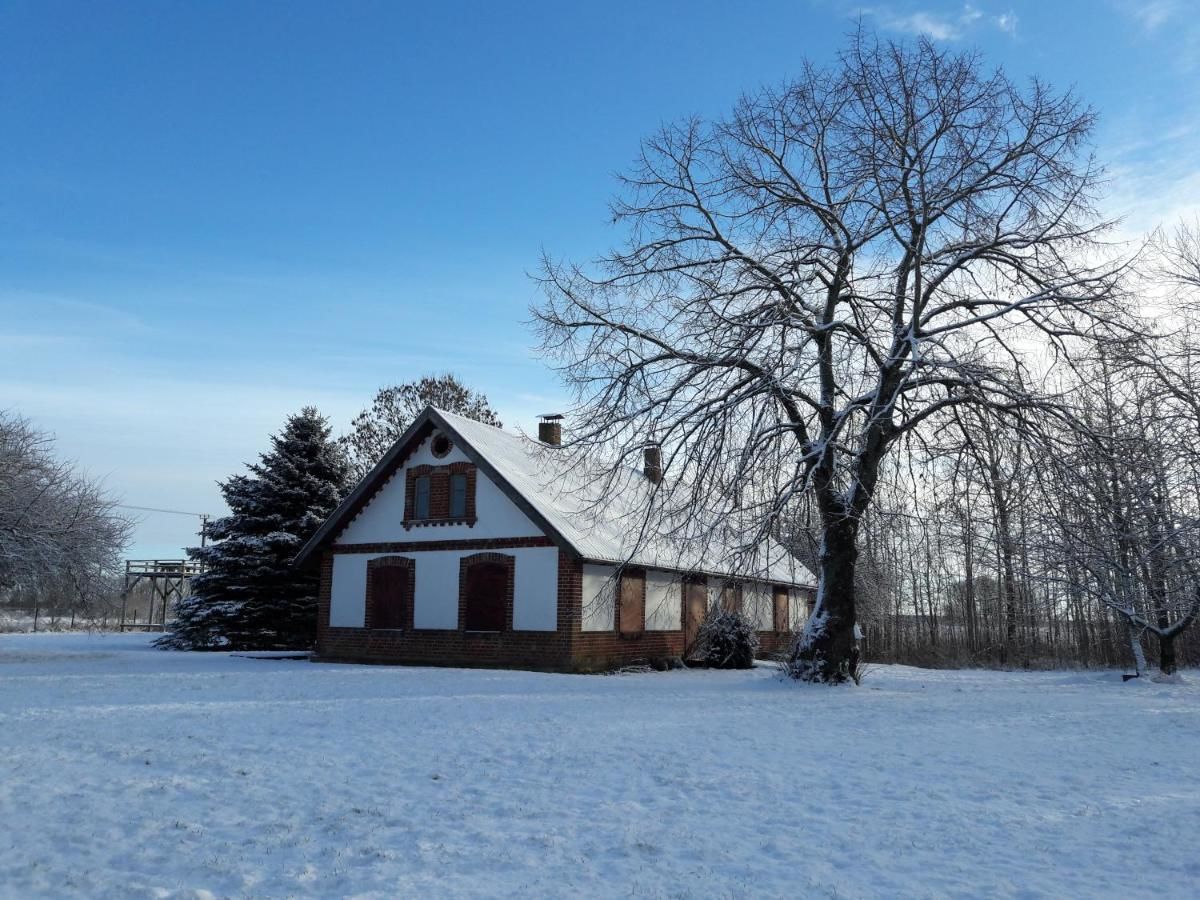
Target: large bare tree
(808,280)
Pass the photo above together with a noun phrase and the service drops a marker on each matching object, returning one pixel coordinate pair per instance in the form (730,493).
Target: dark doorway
(486,595)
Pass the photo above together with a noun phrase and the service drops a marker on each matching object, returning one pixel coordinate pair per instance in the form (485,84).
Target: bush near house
(726,640)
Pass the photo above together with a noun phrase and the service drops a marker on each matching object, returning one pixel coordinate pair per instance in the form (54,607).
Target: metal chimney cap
(551,417)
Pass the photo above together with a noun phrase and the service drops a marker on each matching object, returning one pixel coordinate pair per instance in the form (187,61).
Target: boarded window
(599,598)
(486,595)
(758,606)
(664,602)
(781,608)
(801,601)
(391,596)
(458,495)
(633,602)
(731,597)
(695,607)
(421,497)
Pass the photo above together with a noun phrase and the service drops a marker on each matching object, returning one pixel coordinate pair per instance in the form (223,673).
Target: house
(471,546)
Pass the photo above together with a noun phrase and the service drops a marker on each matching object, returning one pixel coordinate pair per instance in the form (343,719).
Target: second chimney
(550,429)
(652,465)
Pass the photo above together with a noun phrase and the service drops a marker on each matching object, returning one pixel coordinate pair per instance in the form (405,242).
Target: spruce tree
(250,596)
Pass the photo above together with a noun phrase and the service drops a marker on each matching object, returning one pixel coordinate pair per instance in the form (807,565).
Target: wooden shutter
(389,596)
(633,602)
(486,596)
(781,608)
(695,607)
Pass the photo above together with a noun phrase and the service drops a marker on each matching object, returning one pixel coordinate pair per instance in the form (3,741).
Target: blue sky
(213,213)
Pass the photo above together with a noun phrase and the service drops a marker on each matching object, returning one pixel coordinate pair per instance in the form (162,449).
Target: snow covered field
(131,772)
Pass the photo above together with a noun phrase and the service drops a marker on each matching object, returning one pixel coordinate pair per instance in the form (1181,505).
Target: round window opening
(441,445)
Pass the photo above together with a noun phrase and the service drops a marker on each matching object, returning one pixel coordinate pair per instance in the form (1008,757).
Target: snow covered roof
(557,497)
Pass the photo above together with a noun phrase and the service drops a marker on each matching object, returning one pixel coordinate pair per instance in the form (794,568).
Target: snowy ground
(130,772)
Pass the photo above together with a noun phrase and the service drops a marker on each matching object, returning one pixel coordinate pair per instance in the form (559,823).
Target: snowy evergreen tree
(250,596)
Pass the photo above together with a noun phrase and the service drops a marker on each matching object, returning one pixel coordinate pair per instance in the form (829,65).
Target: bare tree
(1122,505)
(814,277)
(59,530)
(394,408)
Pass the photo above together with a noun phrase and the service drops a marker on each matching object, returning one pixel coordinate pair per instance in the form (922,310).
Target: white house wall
(348,592)
(435,604)
(382,519)
(535,590)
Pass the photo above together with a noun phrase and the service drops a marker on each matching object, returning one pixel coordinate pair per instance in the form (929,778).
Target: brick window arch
(485,592)
(390,588)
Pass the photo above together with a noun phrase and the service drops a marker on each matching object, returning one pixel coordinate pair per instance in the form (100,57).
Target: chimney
(550,429)
(653,463)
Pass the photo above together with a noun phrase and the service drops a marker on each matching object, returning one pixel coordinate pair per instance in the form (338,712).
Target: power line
(174,512)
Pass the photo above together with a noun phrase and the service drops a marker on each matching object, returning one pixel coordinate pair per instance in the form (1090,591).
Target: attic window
(440,495)
(442,445)
(421,497)
(458,495)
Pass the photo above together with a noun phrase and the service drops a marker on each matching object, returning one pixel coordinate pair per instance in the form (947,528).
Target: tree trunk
(827,650)
(1166,654)
(1135,646)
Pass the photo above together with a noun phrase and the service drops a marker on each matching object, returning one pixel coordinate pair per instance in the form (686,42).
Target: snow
(132,772)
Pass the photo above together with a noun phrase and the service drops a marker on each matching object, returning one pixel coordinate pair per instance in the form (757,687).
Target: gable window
(440,495)
(421,498)
(486,586)
(458,495)
(389,593)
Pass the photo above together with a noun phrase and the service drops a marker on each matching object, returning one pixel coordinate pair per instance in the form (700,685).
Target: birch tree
(811,278)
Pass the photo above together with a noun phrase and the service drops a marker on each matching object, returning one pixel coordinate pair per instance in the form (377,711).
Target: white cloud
(938,25)
(1173,22)
(1150,14)
(1006,22)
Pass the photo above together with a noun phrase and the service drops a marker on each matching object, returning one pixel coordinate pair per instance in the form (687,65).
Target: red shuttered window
(486,594)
